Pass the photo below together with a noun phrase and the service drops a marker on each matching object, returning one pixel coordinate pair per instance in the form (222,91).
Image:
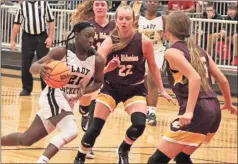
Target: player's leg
(181,142)
(66,124)
(137,110)
(33,134)
(84,108)
(152,99)
(104,106)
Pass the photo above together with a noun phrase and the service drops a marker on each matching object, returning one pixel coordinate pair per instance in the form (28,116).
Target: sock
(125,146)
(43,159)
(152,109)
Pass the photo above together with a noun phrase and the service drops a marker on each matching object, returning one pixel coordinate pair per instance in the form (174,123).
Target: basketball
(59,75)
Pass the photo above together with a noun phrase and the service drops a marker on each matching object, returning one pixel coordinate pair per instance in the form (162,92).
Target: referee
(32,16)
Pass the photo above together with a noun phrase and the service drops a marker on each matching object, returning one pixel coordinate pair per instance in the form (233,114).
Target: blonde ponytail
(197,63)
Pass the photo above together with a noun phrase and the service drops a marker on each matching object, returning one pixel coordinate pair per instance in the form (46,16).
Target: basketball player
(57,103)
(94,12)
(123,84)
(151,24)
(190,70)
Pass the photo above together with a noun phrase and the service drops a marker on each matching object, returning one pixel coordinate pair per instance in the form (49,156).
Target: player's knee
(138,125)
(92,133)
(69,131)
(158,157)
(183,158)
(26,140)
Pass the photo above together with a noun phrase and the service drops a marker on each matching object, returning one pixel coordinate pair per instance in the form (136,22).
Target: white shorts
(52,101)
(159,60)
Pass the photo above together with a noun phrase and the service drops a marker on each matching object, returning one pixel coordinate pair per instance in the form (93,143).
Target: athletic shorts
(112,94)
(52,101)
(205,123)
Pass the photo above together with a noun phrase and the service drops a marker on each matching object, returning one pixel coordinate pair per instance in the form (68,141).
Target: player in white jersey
(151,24)
(56,104)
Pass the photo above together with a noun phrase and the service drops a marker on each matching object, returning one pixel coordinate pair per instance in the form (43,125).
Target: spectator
(186,5)
(231,32)
(211,31)
(143,6)
(32,15)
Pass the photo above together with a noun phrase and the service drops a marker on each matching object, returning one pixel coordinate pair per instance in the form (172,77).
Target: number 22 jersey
(132,63)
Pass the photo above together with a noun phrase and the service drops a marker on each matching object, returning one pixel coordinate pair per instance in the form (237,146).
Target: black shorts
(112,94)
(205,123)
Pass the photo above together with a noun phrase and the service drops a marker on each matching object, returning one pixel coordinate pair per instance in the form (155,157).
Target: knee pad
(183,158)
(84,109)
(68,131)
(138,125)
(92,133)
(158,157)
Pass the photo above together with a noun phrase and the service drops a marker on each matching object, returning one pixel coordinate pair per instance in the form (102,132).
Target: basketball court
(18,113)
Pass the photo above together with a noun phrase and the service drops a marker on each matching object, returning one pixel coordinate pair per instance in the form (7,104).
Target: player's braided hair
(76,28)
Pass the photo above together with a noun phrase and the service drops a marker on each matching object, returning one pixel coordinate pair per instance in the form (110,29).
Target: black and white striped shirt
(33,16)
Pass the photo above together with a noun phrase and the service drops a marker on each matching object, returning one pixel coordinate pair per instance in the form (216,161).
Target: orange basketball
(59,75)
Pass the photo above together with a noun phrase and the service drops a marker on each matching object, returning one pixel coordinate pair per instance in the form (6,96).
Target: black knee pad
(92,107)
(158,158)
(183,158)
(138,125)
(84,109)
(92,133)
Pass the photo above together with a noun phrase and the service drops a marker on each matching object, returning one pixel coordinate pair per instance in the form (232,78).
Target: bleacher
(225,57)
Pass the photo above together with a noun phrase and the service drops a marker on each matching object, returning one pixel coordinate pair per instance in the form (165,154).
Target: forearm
(225,89)
(15,31)
(158,79)
(51,30)
(92,88)
(193,92)
(34,68)
(191,9)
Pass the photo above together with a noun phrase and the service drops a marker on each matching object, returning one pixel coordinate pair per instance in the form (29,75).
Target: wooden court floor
(17,114)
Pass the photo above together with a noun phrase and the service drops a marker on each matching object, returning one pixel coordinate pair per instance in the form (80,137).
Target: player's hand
(44,70)
(168,97)
(73,99)
(48,42)
(185,119)
(113,64)
(230,108)
(13,45)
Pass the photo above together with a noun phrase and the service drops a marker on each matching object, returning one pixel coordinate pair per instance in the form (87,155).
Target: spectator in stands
(34,37)
(231,32)
(183,5)
(211,31)
(143,7)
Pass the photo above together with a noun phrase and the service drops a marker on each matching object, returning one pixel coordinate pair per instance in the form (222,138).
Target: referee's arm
(16,28)
(50,20)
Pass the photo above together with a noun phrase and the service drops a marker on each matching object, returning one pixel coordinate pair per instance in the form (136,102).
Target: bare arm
(148,52)
(190,10)
(104,50)
(177,61)
(221,80)
(98,77)
(15,31)
(54,54)
(51,30)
